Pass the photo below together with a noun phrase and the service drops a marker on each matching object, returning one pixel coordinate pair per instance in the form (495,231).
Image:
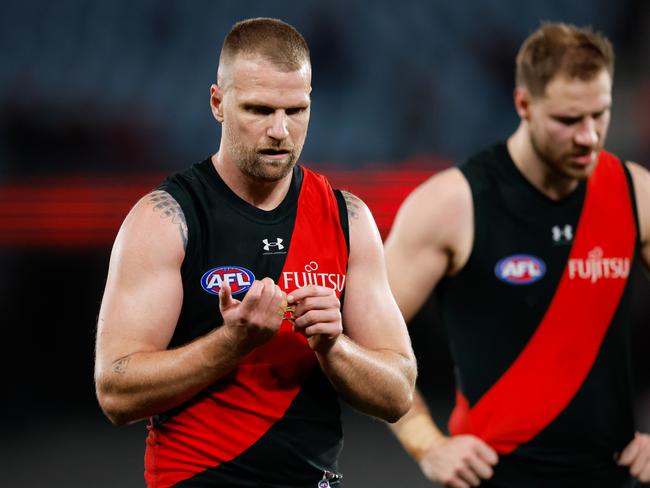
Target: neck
(265,195)
(538,172)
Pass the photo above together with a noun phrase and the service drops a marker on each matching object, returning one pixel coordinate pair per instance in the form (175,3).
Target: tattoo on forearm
(169,208)
(120,365)
(354,205)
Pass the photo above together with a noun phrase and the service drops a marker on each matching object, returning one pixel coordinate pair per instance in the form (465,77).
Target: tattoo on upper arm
(353,203)
(121,365)
(169,207)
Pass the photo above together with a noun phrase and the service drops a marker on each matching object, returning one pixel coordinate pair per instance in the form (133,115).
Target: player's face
(265,116)
(568,125)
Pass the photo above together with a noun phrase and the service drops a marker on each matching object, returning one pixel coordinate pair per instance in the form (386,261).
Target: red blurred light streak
(85,211)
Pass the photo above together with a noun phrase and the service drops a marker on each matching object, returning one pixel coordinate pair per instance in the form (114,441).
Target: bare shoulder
(356,207)
(155,226)
(162,204)
(363,230)
(640,175)
(439,208)
(447,190)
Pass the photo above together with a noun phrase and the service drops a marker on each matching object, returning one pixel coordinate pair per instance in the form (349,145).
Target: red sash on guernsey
(237,413)
(550,370)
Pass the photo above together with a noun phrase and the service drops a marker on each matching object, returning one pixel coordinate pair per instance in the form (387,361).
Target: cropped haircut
(273,39)
(558,48)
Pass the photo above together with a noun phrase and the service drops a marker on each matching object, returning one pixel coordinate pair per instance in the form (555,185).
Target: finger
(630,452)
(480,467)
(330,302)
(225,297)
(313,317)
(278,302)
(253,294)
(642,458)
(639,464)
(267,295)
(270,303)
(486,453)
(308,291)
(467,475)
(279,297)
(324,330)
(644,476)
(644,451)
(283,303)
(457,483)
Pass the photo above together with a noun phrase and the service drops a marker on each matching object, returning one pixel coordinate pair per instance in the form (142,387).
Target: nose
(278,128)
(587,135)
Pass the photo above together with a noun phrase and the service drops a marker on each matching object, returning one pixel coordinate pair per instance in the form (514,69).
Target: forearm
(416,430)
(143,384)
(379,383)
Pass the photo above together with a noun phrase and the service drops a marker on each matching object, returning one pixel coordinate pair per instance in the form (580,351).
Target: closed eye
(295,110)
(258,109)
(568,120)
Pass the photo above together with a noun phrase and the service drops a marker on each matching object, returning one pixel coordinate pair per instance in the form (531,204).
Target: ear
(523,101)
(216,102)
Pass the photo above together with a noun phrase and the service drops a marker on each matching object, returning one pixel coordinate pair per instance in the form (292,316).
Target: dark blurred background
(99,100)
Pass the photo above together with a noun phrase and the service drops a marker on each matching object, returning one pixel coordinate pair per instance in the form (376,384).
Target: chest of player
(522,241)
(235,248)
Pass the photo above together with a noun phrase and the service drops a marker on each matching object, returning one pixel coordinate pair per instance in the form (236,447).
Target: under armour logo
(277,244)
(562,234)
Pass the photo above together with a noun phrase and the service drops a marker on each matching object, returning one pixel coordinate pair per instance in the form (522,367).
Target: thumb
(225,297)
(630,452)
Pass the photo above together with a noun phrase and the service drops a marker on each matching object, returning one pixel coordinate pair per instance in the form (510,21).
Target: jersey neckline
(516,173)
(285,208)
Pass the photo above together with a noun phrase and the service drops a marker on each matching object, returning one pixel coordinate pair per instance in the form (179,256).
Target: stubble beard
(252,163)
(560,165)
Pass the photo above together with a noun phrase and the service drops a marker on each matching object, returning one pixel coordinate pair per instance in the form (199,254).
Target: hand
(257,318)
(317,316)
(459,462)
(637,456)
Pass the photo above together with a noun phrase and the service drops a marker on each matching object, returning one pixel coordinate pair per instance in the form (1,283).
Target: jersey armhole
(478,220)
(343,217)
(184,201)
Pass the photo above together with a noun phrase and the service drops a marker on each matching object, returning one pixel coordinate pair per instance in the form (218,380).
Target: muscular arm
(432,237)
(371,363)
(135,375)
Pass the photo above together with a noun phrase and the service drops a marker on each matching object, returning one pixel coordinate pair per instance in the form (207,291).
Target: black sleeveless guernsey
(275,420)
(542,358)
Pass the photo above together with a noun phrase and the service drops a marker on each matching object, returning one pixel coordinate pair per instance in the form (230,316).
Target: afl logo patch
(240,279)
(520,269)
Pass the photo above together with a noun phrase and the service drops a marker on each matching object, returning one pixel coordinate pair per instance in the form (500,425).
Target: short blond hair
(273,39)
(558,48)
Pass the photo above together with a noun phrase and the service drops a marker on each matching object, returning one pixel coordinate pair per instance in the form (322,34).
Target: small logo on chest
(312,276)
(520,269)
(239,279)
(597,266)
(562,234)
(273,247)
